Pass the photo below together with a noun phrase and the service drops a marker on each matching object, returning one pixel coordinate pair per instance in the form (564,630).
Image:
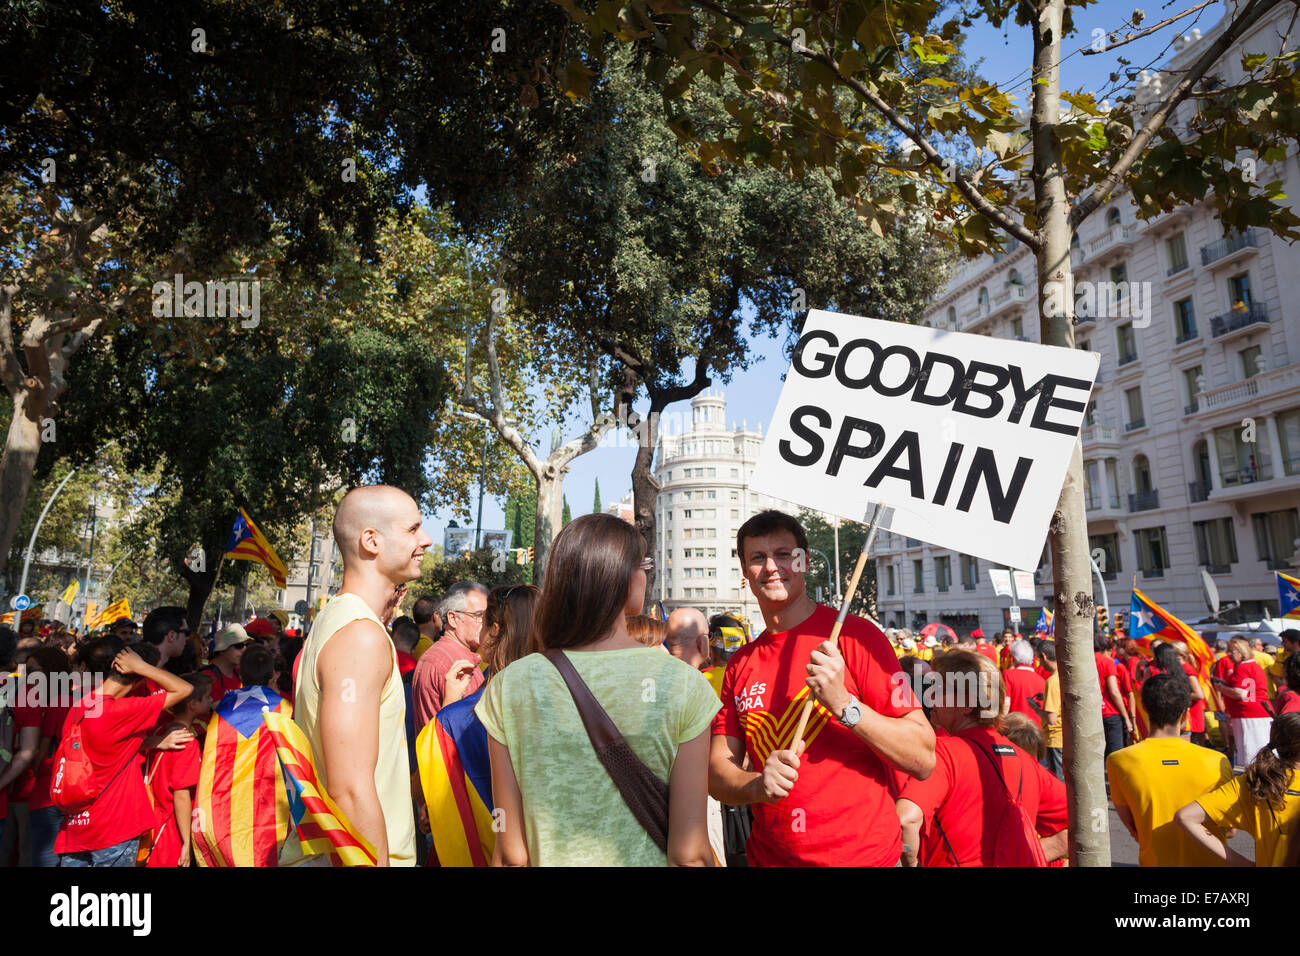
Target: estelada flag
(320,825)
(1147,619)
(456,777)
(1288,595)
(31,614)
(241,810)
(1046,624)
(247,543)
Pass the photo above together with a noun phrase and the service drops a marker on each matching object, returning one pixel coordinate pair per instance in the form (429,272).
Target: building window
(1240,462)
(942,573)
(1112,217)
(1216,544)
(918,576)
(970,572)
(1109,546)
(1184,321)
(1112,481)
(1288,433)
(1091,487)
(1133,404)
(1250,360)
(1127,343)
(889,579)
(952,317)
(1191,385)
(1018,328)
(1239,292)
(710,494)
(1275,536)
(1152,555)
(734,496)
(735,473)
(1090,414)
(1177,249)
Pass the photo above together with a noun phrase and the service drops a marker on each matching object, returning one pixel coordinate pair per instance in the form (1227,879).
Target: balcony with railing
(1118,236)
(1144,500)
(1100,434)
(1216,251)
(1135,424)
(1278,564)
(1128,358)
(1148,573)
(1272,382)
(1176,268)
(1186,335)
(975,316)
(1012,295)
(1217,568)
(1235,320)
(1198,491)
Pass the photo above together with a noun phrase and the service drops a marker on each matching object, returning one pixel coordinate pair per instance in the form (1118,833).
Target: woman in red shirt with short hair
(952,817)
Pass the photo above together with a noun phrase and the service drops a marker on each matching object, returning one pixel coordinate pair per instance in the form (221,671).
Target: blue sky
(1004,57)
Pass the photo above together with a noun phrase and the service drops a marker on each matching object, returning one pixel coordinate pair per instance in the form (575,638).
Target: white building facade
(704,476)
(1191,443)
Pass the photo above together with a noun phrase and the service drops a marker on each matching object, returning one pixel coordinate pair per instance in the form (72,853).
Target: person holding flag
(1288,594)
(1046,625)
(350,701)
(824,799)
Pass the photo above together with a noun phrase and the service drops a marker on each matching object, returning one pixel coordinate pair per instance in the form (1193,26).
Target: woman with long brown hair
(1264,801)
(556,802)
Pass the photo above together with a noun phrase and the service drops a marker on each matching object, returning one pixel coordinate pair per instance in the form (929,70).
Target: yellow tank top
(392,769)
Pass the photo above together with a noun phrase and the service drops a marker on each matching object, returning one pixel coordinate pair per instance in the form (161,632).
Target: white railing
(1112,236)
(1266,383)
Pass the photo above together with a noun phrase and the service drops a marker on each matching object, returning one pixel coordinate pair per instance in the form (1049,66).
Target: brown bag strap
(643,792)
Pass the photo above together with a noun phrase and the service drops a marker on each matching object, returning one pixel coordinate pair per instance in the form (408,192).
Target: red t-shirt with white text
(1249,677)
(840,812)
(112,741)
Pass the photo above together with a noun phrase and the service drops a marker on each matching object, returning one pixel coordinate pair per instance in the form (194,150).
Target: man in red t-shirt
(1024,685)
(824,799)
(113,723)
(1115,720)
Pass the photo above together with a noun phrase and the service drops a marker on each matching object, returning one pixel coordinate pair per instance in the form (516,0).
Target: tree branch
(1148,31)
(1251,15)
(11,372)
(964,185)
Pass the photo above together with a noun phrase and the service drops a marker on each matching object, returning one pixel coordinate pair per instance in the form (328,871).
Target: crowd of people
(560,726)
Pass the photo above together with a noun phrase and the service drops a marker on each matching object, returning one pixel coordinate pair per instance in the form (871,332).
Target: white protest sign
(1024,585)
(1001,579)
(967,437)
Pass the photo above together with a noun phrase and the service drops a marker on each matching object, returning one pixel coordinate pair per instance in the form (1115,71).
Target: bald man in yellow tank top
(349,699)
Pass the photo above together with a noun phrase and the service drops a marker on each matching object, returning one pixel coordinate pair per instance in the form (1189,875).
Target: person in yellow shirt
(925,649)
(1053,729)
(1264,801)
(1290,644)
(1266,662)
(1152,780)
(426,617)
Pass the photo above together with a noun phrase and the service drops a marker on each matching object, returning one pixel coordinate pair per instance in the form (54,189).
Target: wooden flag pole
(844,613)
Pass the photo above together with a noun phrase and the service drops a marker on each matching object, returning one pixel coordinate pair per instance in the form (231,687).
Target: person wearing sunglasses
(167,629)
(454,657)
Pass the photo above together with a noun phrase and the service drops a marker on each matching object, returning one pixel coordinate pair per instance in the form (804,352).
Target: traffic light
(531,555)
(1120,622)
(1103,617)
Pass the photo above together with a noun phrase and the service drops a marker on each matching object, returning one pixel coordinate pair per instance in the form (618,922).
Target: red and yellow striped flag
(322,827)
(241,810)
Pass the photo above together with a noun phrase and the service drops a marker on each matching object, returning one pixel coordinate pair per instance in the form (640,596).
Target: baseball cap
(230,636)
(260,627)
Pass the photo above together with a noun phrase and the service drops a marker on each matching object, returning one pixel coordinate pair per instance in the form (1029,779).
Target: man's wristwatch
(852,712)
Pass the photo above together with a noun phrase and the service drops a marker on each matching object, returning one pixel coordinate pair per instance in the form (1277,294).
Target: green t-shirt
(573,813)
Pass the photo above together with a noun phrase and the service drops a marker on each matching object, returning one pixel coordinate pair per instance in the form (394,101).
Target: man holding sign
(825,799)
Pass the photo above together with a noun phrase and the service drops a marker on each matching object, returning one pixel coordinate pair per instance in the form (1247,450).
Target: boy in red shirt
(830,805)
(113,725)
(174,775)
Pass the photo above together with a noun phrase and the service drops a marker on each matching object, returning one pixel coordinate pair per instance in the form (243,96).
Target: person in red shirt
(38,720)
(172,778)
(1245,694)
(983,646)
(224,666)
(951,818)
(1115,718)
(823,799)
(113,724)
(1024,687)
(1288,697)
(405,636)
